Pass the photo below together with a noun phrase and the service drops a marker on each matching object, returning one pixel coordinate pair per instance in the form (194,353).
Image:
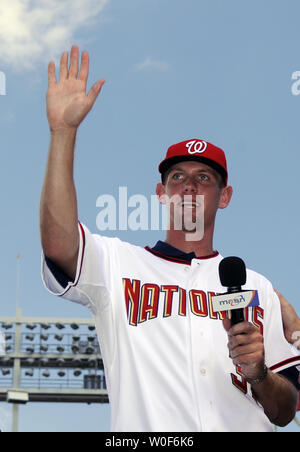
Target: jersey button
(203,372)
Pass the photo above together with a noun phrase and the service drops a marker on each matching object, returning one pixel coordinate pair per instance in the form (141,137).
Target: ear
(160,191)
(225,197)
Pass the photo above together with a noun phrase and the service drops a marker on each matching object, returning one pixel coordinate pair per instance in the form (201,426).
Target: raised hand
(67,101)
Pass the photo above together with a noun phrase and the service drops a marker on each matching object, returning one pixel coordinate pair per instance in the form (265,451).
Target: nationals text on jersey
(143,302)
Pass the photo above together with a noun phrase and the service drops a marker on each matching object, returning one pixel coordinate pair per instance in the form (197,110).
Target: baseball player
(171,363)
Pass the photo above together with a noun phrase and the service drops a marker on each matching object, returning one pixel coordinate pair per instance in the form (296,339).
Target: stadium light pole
(56,366)
(17,362)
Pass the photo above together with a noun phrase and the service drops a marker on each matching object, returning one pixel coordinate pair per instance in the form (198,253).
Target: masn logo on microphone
(228,301)
(233,301)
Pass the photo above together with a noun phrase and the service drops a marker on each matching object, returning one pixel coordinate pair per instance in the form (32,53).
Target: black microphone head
(232,271)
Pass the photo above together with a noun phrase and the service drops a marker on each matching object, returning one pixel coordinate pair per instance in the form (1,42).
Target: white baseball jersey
(165,351)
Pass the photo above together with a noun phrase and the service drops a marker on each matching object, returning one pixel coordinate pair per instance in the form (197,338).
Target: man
(165,352)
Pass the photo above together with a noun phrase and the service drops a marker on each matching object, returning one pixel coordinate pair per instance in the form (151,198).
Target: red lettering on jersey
(212,313)
(240,383)
(182,302)
(199,303)
(169,291)
(132,296)
(149,302)
(246,314)
(258,313)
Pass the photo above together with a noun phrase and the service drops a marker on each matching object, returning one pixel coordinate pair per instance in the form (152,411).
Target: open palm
(67,101)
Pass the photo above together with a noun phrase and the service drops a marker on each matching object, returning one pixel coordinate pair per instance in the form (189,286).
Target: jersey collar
(168,252)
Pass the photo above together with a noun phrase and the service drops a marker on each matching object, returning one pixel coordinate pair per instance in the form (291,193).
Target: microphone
(232,272)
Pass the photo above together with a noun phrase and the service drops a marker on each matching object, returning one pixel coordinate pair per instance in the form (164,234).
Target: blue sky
(216,70)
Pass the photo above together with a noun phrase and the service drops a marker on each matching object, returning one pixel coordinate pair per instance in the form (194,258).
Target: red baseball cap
(198,150)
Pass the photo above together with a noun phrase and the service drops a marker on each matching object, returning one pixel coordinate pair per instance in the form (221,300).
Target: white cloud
(150,63)
(39,30)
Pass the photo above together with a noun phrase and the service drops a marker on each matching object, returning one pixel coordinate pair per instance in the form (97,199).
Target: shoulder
(258,279)
(264,287)
(115,243)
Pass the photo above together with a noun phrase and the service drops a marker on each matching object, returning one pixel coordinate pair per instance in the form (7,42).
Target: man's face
(189,183)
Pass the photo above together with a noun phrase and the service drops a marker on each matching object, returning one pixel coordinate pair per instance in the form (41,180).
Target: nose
(190,186)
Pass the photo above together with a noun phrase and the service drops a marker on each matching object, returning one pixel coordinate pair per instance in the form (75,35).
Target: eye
(203,177)
(177,176)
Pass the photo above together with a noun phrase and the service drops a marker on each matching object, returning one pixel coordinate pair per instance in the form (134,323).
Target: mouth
(189,205)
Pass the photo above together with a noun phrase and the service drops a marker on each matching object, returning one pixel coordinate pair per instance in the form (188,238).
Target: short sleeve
(279,353)
(91,286)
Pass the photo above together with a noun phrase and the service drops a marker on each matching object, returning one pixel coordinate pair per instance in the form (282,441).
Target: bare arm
(276,394)
(291,321)
(278,398)
(67,106)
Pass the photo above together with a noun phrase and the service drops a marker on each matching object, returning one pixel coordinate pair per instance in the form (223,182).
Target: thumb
(95,90)
(227,324)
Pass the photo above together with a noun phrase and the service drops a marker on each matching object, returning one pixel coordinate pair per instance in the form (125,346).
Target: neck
(203,247)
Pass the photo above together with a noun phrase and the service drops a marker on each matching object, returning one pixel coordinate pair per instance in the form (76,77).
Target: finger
(244,339)
(245,360)
(253,359)
(63,72)
(73,71)
(95,90)
(242,350)
(237,341)
(242,328)
(226,324)
(51,73)
(84,68)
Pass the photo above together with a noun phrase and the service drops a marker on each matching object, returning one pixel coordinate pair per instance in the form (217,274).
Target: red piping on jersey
(210,256)
(83,250)
(287,361)
(177,260)
(81,261)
